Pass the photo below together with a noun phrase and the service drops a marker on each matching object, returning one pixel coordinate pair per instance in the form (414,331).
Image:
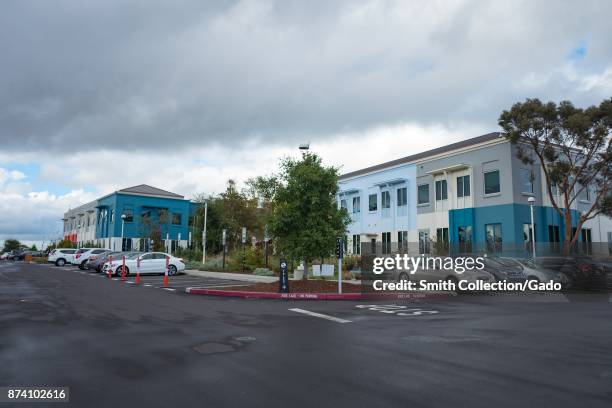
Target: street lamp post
(123,217)
(204,232)
(531,201)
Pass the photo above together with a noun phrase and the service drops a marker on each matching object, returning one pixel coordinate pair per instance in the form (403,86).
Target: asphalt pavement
(120,344)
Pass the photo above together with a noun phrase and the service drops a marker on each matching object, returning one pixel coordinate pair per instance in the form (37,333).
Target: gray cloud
(153,74)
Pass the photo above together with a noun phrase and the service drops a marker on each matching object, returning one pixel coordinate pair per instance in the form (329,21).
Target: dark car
(17,255)
(95,261)
(582,271)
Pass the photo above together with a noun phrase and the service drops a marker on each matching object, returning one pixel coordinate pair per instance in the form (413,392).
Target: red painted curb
(313,296)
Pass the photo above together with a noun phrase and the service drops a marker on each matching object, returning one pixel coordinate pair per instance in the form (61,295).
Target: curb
(315,296)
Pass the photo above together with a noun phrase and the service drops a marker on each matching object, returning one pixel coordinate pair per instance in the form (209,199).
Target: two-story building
(127,219)
(471,195)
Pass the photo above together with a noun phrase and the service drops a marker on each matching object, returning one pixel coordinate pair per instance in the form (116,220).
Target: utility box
(28,258)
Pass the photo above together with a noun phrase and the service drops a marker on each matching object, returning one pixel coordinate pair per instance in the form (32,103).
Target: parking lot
(177,283)
(118,343)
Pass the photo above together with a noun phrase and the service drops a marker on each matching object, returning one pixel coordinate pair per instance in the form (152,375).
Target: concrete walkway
(235,276)
(246,277)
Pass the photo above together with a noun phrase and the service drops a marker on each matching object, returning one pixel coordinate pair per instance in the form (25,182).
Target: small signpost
(223,242)
(244,240)
(340,255)
(283,279)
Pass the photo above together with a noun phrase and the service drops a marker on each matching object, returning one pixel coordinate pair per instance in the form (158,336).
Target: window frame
(484,182)
(419,202)
(373,208)
(443,191)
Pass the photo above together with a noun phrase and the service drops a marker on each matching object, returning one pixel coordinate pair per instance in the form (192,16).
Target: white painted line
(129,282)
(147,285)
(116,279)
(610,300)
(170,289)
(322,316)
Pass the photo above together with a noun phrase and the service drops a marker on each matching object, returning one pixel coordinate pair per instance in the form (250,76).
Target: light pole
(204,232)
(123,217)
(305,147)
(531,201)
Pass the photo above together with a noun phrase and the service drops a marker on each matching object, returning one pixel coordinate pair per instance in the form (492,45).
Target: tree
(33,248)
(572,147)
(306,220)
(11,245)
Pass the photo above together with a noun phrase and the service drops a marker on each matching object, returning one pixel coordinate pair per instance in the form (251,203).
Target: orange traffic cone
(110,266)
(137,277)
(166,281)
(123,269)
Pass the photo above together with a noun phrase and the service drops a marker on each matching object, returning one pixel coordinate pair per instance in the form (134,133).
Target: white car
(150,263)
(83,254)
(4,256)
(62,256)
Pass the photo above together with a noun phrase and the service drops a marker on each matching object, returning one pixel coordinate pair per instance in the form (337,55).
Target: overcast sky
(100,95)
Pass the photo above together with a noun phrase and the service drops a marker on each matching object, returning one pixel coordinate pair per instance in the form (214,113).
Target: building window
(129,215)
(553,233)
(585,194)
(424,242)
(373,202)
(176,219)
(493,233)
(356,244)
(526,181)
(402,197)
(356,205)
(491,182)
(402,240)
(373,246)
(587,245)
(111,216)
(442,235)
(463,186)
(386,242)
(441,190)
(386,199)
(465,238)
(423,196)
(343,204)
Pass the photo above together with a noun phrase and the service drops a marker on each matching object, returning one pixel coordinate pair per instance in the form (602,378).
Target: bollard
(110,266)
(138,270)
(123,269)
(166,282)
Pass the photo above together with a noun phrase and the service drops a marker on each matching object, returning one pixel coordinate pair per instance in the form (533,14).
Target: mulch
(300,286)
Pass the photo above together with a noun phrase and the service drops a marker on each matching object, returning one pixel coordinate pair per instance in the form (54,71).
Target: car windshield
(133,255)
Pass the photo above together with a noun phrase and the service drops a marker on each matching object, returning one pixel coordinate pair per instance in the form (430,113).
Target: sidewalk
(234,276)
(246,277)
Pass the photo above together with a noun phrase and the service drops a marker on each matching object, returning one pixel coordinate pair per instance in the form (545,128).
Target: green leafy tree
(306,220)
(33,248)
(11,245)
(572,147)
(65,243)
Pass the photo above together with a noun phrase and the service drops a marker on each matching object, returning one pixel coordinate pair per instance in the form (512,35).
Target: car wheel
(82,265)
(118,271)
(404,276)
(171,270)
(60,262)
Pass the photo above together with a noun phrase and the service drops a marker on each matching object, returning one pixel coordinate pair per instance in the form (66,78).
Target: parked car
(4,256)
(539,273)
(20,256)
(62,256)
(506,269)
(15,255)
(96,262)
(150,263)
(82,255)
(582,272)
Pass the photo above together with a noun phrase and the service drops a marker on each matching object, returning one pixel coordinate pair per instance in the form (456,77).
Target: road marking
(610,300)
(170,289)
(322,316)
(147,285)
(116,279)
